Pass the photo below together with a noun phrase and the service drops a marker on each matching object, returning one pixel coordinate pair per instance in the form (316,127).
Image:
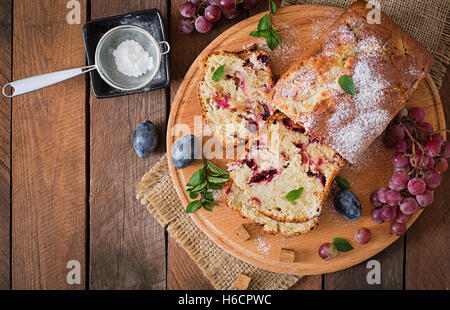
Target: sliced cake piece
(240,201)
(385,65)
(283,158)
(236,105)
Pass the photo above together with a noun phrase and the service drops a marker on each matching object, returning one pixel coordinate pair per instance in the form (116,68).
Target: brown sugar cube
(242,233)
(287,256)
(242,282)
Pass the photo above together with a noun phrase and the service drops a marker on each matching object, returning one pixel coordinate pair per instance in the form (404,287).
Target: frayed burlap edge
(156,192)
(427,21)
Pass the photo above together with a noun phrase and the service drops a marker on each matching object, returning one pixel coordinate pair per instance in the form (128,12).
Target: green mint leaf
(294,194)
(214,169)
(342,245)
(256,34)
(193,206)
(208,208)
(214,186)
(199,187)
(193,195)
(271,42)
(264,23)
(208,196)
(273,7)
(218,180)
(343,183)
(347,85)
(209,202)
(217,75)
(197,178)
(277,37)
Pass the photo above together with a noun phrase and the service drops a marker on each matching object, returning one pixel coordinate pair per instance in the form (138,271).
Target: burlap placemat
(426,20)
(156,191)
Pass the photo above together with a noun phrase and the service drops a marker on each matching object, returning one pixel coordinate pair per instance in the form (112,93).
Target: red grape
(231,14)
(202,24)
(417,113)
(409,205)
(433,148)
(401,217)
(185,26)
(445,150)
(388,213)
(327,251)
(376,215)
(425,199)
(396,132)
(402,114)
(432,179)
(382,194)
(362,235)
(188,9)
(227,4)
(401,145)
(398,181)
(416,186)
(249,4)
(438,138)
(374,199)
(397,228)
(214,2)
(393,198)
(419,160)
(195,1)
(426,128)
(441,165)
(213,13)
(429,162)
(399,160)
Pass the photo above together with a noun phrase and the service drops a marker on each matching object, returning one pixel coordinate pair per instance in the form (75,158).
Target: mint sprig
(343,183)
(347,85)
(217,75)
(267,30)
(294,194)
(342,245)
(208,177)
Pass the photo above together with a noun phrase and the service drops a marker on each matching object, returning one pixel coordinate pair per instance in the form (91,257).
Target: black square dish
(151,21)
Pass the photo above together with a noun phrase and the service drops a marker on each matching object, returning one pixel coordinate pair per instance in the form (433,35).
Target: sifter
(104,63)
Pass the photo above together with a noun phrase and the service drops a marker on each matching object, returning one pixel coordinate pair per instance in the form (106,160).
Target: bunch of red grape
(202,14)
(421,155)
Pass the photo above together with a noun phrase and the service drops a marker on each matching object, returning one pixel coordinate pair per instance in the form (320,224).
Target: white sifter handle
(40,81)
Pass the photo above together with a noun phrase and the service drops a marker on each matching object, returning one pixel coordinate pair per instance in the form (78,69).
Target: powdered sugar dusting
(362,114)
(263,248)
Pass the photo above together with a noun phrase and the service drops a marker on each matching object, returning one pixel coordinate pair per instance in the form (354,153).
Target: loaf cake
(281,159)
(236,106)
(386,65)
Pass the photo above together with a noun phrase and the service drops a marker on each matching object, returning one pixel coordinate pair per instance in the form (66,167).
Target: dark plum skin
(184,151)
(145,139)
(347,205)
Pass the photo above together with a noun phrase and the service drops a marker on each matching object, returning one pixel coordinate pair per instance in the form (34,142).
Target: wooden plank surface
(48,149)
(427,242)
(5,142)
(127,245)
(182,272)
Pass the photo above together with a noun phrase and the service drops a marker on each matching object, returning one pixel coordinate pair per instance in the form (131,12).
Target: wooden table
(68,170)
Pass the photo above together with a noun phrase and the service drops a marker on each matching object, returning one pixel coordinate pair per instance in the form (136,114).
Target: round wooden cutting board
(299,26)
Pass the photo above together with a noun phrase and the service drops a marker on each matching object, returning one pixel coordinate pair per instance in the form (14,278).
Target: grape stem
(413,143)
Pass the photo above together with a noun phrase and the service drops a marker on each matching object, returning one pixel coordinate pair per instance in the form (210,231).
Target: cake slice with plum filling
(281,159)
(234,101)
